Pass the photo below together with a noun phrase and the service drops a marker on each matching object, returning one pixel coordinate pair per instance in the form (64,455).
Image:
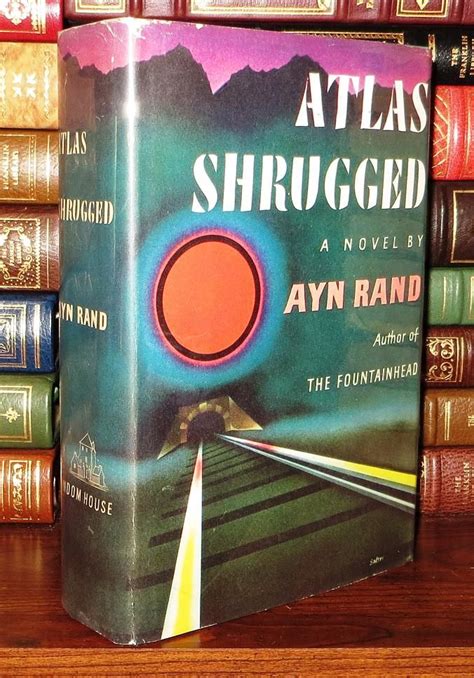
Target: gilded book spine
(27,486)
(448,417)
(451,296)
(28,166)
(28,333)
(27,410)
(449,356)
(452,134)
(447,480)
(28,85)
(29,248)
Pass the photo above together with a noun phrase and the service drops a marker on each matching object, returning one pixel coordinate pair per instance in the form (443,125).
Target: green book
(451,296)
(27,410)
(243,219)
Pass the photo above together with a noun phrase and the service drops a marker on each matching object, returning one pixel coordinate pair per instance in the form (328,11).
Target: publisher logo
(85,466)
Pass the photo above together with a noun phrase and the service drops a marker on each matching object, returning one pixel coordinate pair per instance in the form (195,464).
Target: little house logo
(84,464)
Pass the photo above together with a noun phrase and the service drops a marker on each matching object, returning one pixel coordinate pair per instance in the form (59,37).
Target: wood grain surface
(417,620)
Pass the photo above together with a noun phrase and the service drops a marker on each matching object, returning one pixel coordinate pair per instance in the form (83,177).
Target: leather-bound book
(32,21)
(28,334)
(451,235)
(29,248)
(452,133)
(29,166)
(28,85)
(448,417)
(447,480)
(350,11)
(27,486)
(449,356)
(452,47)
(451,296)
(27,410)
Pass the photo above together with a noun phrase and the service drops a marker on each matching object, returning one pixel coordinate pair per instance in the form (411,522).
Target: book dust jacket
(243,229)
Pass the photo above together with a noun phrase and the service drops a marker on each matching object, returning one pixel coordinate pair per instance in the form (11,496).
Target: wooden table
(416,620)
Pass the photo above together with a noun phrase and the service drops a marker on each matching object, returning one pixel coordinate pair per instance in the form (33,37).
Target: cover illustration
(242,252)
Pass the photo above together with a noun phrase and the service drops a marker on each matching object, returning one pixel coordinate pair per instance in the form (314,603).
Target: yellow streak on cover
(183,613)
(399,477)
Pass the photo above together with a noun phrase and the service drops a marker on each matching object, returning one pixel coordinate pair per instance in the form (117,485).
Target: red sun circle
(208,297)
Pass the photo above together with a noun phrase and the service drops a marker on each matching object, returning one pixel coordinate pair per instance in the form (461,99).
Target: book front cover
(242,251)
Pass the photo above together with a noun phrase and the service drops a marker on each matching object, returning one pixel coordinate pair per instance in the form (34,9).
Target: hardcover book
(321,11)
(31,20)
(27,486)
(28,335)
(451,296)
(28,410)
(240,312)
(29,166)
(449,356)
(29,248)
(447,480)
(453,131)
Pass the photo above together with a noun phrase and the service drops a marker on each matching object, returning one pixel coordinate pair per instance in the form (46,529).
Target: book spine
(448,417)
(27,409)
(451,296)
(447,480)
(29,166)
(450,233)
(32,233)
(27,486)
(321,11)
(452,133)
(449,357)
(28,85)
(452,47)
(28,333)
(33,21)
(432,12)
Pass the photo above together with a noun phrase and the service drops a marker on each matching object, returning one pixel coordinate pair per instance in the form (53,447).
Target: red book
(32,21)
(447,480)
(334,11)
(449,356)
(27,486)
(453,133)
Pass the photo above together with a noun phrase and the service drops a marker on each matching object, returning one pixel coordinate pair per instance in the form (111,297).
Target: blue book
(28,334)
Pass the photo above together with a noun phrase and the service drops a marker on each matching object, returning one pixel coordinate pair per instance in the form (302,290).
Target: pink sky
(223,51)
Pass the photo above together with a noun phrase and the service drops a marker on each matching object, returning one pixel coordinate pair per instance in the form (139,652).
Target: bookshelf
(415,620)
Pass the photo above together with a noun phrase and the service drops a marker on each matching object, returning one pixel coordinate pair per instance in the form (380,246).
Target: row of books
(31,155)
(29,277)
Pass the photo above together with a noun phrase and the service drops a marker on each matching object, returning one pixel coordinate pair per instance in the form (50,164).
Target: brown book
(451,216)
(29,166)
(27,486)
(447,480)
(29,248)
(28,85)
(448,418)
(449,356)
